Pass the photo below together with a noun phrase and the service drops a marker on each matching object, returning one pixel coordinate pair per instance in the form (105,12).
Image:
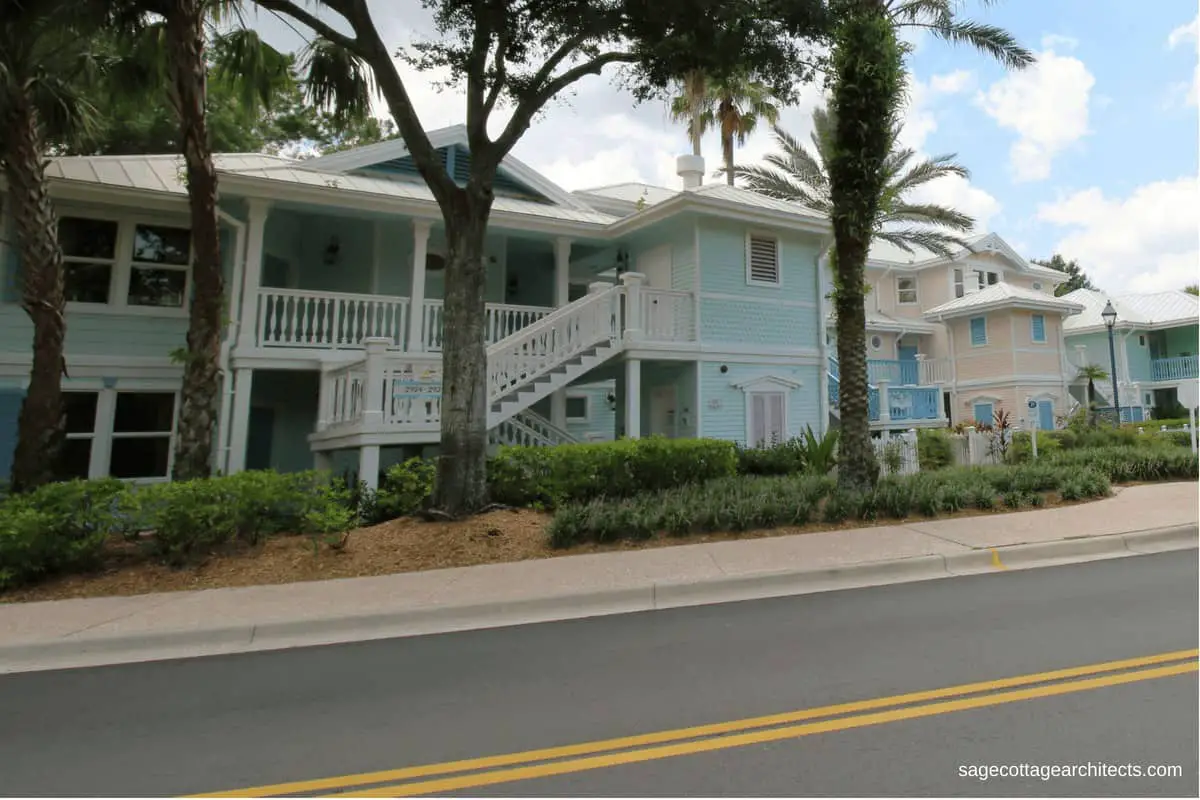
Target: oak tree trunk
(201,374)
(462,467)
(41,425)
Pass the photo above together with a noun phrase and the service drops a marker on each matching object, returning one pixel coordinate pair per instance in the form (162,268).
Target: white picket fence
(974,448)
(897,453)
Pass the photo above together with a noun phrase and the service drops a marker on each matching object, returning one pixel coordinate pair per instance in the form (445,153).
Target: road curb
(651,596)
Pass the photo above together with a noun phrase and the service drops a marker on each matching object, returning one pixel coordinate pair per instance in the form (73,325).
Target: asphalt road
(231,722)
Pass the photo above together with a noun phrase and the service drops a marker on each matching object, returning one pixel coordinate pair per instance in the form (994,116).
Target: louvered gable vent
(763,256)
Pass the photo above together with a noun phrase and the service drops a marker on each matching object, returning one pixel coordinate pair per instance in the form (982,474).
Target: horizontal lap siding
(759,318)
(728,419)
(99,334)
(602,418)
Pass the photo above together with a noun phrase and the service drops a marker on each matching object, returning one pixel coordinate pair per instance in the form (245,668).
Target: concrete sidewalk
(89,632)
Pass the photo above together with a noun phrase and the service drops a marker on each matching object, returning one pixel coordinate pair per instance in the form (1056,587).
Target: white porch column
(633,304)
(240,429)
(368,465)
(248,331)
(885,412)
(374,388)
(633,398)
(562,295)
(416,302)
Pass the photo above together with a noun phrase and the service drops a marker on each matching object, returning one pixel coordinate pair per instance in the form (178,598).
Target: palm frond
(337,79)
(930,214)
(248,63)
(778,184)
(940,244)
(989,39)
(929,170)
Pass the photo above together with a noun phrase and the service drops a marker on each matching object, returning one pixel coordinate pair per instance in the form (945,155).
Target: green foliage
(577,473)
(748,502)
(808,452)
(190,518)
(64,527)
(404,490)
(1129,464)
(1076,277)
(59,527)
(934,449)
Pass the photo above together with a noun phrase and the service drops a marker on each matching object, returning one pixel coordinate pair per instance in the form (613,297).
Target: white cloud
(1188,32)
(1047,105)
(1053,40)
(953,82)
(1148,241)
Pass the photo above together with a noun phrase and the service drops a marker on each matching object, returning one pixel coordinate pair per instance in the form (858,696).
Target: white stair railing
(522,358)
(530,429)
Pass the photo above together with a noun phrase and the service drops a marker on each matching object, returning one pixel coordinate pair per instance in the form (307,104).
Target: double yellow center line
(490,770)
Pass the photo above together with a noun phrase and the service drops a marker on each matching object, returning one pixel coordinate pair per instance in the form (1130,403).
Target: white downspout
(231,331)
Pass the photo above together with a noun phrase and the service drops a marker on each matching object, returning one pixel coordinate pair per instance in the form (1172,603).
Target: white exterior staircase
(395,397)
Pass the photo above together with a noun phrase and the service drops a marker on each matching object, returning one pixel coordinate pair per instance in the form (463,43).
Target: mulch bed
(402,545)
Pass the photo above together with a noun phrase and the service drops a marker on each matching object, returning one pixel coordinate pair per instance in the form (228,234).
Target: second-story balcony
(302,318)
(321,320)
(1177,368)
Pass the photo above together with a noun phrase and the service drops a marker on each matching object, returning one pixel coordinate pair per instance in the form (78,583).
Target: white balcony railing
(328,320)
(503,320)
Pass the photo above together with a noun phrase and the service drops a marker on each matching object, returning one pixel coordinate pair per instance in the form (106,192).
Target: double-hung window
(768,418)
(122,434)
(125,263)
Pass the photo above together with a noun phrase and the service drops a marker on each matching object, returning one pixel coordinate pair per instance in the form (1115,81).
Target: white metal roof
(1155,310)
(630,192)
(151,173)
(414,190)
(1000,295)
(878,321)
(888,253)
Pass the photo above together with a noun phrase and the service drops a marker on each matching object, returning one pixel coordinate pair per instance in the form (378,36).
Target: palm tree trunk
(40,426)
(694,87)
(461,486)
(868,77)
(201,375)
(727,132)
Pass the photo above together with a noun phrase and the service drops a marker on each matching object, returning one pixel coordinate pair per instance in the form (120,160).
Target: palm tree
(738,105)
(1092,373)
(868,78)
(692,106)
(799,175)
(46,59)
(168,52)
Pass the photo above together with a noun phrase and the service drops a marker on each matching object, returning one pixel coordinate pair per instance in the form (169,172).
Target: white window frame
(767,385)
(123,263)
(958,283)
(971,335)
(1045,333)
(587,408)
(751,281)
(103,435)
(900,292)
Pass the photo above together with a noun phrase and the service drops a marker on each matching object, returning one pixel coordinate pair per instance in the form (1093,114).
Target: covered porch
(317,280)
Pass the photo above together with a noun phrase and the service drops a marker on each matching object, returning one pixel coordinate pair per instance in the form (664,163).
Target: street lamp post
(1109,315)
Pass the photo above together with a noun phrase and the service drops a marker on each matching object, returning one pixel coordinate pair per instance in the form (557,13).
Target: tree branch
(529,106)
(500,78)
(289,8)
(476,66)
(370,48)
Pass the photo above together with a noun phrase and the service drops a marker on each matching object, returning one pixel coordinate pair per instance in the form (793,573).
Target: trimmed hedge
(578,473)
(747,502)
(64,527)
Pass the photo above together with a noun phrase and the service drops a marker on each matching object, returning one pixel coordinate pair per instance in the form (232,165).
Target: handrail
(535,350)
(534,418)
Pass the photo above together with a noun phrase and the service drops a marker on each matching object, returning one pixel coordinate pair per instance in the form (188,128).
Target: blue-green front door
(1046,415)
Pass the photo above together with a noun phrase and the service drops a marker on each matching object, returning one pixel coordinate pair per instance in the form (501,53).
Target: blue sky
(1092,152)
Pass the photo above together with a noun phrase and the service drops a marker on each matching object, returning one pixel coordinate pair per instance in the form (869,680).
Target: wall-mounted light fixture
(611,399)
(332,250)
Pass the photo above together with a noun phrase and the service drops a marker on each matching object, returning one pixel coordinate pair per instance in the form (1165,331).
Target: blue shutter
(983,414)
(1046,415)
(1039,328)
(978,330)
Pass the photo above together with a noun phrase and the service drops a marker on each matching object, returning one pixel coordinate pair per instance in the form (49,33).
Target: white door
(658,311)
(662,411)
